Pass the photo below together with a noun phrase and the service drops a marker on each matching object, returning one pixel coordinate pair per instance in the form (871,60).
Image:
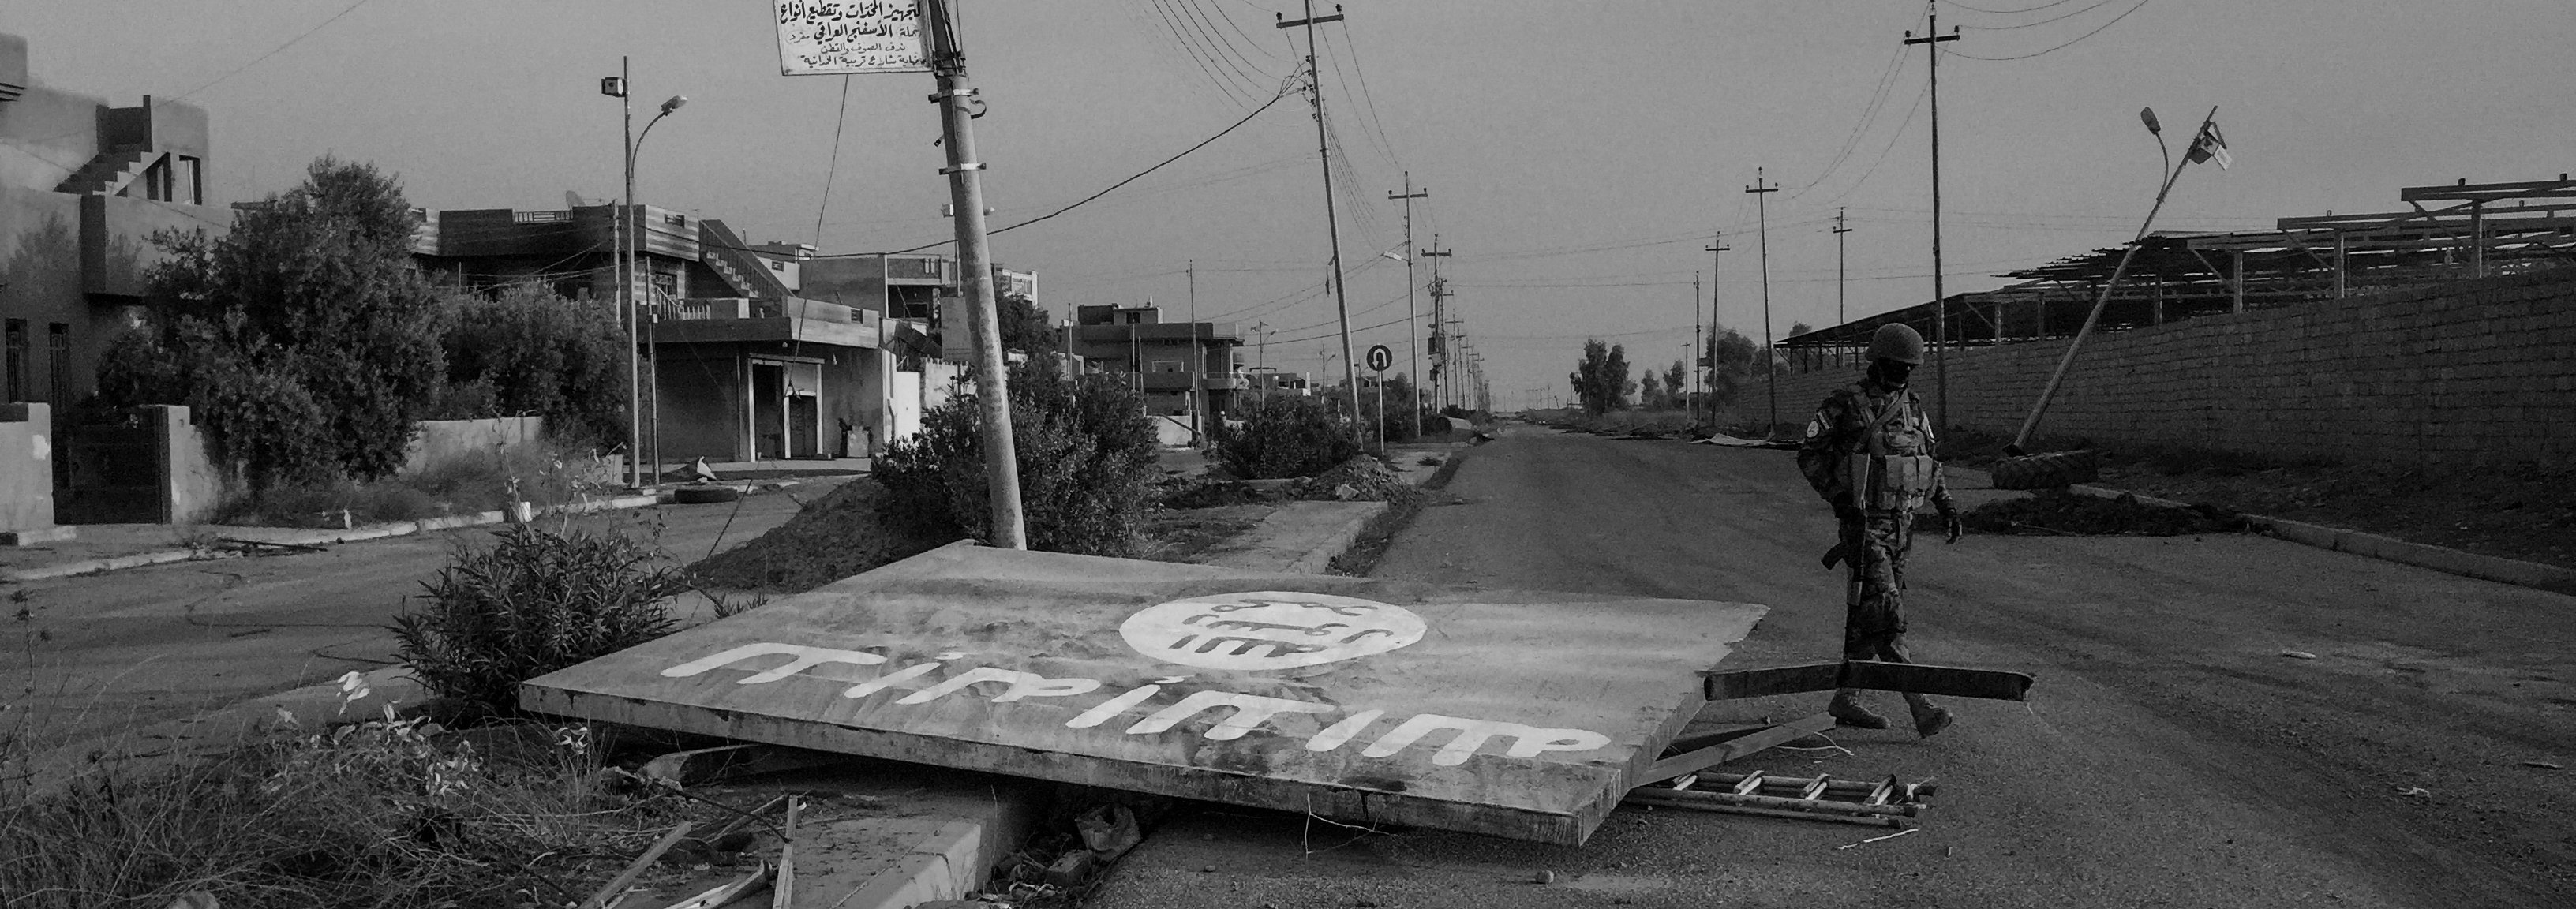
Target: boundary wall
(2478,372)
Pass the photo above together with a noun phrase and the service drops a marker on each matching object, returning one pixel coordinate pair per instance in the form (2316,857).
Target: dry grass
(382,813)
(540,473)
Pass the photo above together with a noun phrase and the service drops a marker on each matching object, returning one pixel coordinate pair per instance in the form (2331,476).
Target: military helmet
(1897,341)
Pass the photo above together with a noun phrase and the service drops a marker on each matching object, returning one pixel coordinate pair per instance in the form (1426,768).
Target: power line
(2007,12)
(290,42)
(834,167)
(2098,4)
(2115,20)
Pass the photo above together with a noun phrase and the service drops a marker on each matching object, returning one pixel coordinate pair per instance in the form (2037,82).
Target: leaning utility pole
(1839,231)
(1940,304)
(975,272)
(1762,230)
(1198,395)
(1412,323)
(1332,224)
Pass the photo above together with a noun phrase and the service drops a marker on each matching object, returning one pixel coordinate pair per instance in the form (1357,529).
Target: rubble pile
(1360,479)
(2063,512)
(833,537)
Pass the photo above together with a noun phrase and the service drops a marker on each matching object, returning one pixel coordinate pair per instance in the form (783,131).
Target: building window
(1167,366)
(17,338)
(1134,318)
(667,283)
(58,364)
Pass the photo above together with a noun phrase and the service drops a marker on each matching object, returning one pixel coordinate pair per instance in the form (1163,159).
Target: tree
(304,340)
(1651,394)
(1798,328)
(1677,383)
(1600,379)
(1025,328)
(1729,360)
(525,350)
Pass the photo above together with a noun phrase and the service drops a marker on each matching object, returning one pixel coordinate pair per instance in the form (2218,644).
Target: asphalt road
(97,654)
(2170,755)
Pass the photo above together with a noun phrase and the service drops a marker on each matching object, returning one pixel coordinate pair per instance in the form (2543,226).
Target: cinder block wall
(2473,372)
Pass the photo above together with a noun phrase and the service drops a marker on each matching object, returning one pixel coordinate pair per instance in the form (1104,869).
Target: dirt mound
(2062,512)
(1360,479)
(833,537)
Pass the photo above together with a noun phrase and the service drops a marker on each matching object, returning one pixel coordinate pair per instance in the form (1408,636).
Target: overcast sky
(1578,155)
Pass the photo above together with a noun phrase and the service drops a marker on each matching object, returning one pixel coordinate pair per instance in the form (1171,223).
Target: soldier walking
(1869,453)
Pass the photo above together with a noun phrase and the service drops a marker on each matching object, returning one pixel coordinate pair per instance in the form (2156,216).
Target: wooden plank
(1991,684)
(1875,676)
(1702,759)
(1523,715)
(1755,683)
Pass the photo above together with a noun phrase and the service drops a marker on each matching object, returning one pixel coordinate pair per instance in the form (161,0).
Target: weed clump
(1285,437)
(1086,462)
(535,602)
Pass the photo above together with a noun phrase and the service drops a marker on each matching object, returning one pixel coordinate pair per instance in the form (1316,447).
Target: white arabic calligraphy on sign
(1268,629)
(831,37)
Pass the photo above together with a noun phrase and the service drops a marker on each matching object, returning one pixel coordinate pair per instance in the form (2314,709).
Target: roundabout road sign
(1379,358)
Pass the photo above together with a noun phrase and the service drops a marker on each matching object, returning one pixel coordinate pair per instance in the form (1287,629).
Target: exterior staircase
(110,172)
(724,252)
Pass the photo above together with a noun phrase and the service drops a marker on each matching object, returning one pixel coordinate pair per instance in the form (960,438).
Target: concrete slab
(1523,715)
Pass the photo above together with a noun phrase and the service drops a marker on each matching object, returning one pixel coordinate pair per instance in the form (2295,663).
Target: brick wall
(2472,372)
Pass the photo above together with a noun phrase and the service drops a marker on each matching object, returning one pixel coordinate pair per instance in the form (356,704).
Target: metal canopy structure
(2488,229)
(1522,715)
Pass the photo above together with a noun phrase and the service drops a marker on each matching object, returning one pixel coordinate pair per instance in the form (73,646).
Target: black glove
(1950,522)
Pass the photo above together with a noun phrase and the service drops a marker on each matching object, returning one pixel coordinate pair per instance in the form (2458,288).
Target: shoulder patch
(1815,427)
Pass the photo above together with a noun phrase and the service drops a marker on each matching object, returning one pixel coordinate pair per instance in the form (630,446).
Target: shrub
(1085,453)
(537,601)
(1285,437)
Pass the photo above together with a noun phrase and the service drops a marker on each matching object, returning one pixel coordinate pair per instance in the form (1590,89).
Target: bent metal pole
(975,274)
(2058,376)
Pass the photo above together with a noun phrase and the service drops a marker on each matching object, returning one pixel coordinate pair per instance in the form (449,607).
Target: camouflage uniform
(1868,452)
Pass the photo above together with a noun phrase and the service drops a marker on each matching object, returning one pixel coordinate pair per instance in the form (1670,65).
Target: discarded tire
(703,495)
(2046,471)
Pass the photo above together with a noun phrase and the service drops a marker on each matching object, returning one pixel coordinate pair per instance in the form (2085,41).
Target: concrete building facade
(83,186)
(1157,356)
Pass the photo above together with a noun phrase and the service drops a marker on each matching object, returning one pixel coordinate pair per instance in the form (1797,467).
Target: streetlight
(629,232)
(2171,172)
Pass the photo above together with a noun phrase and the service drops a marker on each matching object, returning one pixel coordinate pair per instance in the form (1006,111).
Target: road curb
(2376,546)
(318,538)
(1319,560)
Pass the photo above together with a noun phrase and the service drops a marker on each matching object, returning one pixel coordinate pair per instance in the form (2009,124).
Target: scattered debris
(2298,654)
(1820,797)
(2063,512)
(616,887)
(728,891)
(681,769)
(1109,830)
(196,899)
(1877,838)
(2415,792)
(2544,765)
(1544,877)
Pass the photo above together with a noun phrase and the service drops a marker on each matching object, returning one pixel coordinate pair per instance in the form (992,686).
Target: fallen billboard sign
(1523,715)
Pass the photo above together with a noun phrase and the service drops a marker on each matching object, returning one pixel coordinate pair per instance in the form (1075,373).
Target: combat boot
(1847,711)
(1929,719)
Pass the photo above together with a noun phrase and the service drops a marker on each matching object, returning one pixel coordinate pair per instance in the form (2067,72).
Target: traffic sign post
(1379,359)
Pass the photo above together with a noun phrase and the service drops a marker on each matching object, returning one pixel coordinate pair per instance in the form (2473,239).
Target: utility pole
(1440,342)
(1412,323)
(974,264)
(1716,250)
(1198,365)
(1940,304)
(626,290)
(1332,225)
(1839,231)
(1691,398)
(1762,231)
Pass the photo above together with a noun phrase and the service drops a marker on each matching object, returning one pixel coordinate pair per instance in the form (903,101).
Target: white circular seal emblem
(1268,629)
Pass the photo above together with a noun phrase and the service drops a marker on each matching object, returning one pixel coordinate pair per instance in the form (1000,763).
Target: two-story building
(83,186)
(1187,371)
(738,366)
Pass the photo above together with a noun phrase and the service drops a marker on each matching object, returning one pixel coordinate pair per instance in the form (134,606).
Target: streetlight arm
(639,143)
